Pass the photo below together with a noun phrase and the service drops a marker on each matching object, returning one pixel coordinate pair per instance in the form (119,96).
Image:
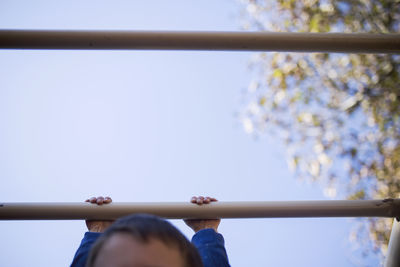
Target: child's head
(143,241)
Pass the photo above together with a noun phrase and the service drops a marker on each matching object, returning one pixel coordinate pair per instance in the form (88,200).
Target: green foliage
(338,113)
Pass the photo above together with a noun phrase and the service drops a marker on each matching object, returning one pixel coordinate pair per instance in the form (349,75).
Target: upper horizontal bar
(265,209)
(227,41)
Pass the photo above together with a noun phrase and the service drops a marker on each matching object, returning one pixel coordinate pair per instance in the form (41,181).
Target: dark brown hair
(142,227)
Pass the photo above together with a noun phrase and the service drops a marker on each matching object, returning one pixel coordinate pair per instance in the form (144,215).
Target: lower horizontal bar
(173,210)
(228,41)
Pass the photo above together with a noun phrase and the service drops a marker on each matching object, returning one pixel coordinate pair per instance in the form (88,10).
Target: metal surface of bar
(393,256)
(173,210)
(227,41)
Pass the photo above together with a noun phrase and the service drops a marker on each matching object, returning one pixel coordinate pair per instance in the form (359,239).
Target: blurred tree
(338,113)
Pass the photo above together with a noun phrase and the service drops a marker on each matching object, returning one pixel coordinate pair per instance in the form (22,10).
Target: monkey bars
(213,41)
(264,209)
(178,210)
(226,41)
(175,210)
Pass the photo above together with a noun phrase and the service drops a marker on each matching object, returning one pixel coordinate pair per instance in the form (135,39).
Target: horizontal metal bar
(228,41)
(173,210)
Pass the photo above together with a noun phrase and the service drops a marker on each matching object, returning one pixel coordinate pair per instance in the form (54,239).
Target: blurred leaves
(338,113)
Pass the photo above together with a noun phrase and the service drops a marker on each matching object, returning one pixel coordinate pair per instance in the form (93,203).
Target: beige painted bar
(226,41)
(176,210)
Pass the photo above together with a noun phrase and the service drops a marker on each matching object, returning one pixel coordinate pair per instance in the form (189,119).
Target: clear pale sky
(143,126)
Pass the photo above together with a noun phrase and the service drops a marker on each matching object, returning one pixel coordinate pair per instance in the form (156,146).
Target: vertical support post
(393,256)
